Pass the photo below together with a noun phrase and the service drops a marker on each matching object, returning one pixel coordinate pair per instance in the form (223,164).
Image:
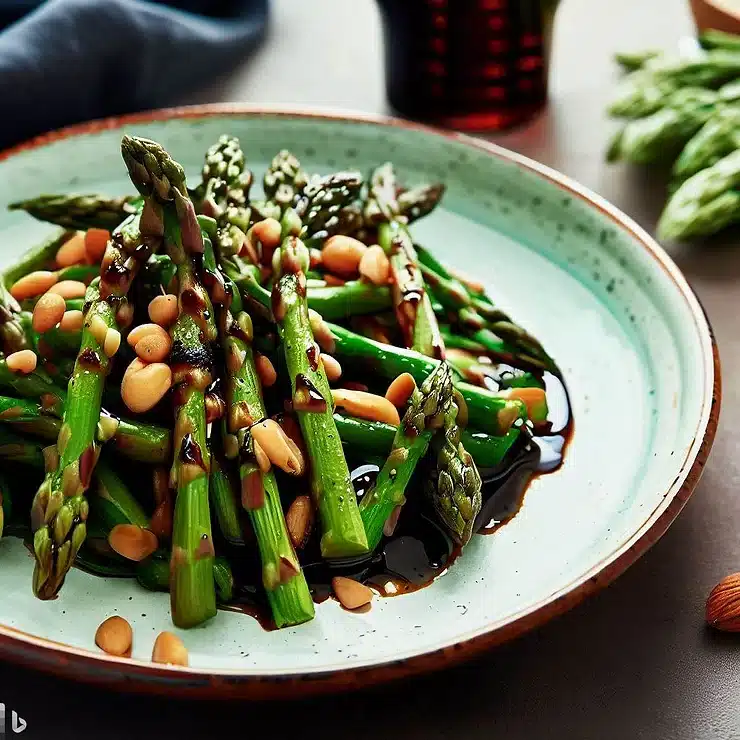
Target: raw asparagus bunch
(454,486)
(705,203)
(162,181)
(331,486)
(381,506)
(80,212)
(410,298)
(60,509)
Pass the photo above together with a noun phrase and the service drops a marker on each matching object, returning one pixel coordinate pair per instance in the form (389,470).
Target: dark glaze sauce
(419,550)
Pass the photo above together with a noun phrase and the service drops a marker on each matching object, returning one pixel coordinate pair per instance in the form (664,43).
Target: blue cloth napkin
(66,61)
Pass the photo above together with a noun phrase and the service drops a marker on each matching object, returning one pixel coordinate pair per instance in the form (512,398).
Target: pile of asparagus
(241,352)
(683,111)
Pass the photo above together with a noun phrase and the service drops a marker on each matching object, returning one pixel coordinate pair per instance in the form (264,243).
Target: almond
(299,521)
(350,593)
(723,604)
(132,542)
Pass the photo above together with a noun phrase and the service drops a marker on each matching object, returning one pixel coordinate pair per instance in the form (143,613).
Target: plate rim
(141,677)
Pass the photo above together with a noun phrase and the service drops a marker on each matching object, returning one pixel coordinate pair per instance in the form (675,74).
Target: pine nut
(375,266)
(23,362)
(98,328)
(72,321)
(169,649)
(125,315)
(535,399)
(273,440)
(72,252)
(266,370)
(69,289)
(332,368)
(350,593)
(163,310)
(400,390)
(143,385)
(342,255)
(132,542)
(145,330)
(112,342)
(321,331)
(153,347)
(299,521)
(262,460)
(115,637)
(267,232)
(48,312)
(96,241)
(33,284)
(293,431)
(367,406)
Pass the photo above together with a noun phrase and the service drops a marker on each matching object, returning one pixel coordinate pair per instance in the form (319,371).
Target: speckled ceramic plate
(614,311)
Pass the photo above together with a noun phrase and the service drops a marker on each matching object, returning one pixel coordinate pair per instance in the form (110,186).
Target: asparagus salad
(259,404)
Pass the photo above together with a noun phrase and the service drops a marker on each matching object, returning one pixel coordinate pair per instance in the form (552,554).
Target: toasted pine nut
(98,328)
(265,370)
(375,266)
(132,542)
(144,330)
(23,362)
(153,347)
(315,258)
(112,342)
(96,240)
(33,284)
(72,252)
(350,593)
(293,431)
(332,367)
(72,321)
(400,390)
(163,309)
(321,331)
(115,637)
(143,385)
(261,456)
(299,521)
(47,312)
(69,289)
(535,399)
(367,406)
(273,440)
(342,255)
(267,233)
(125,315)
(169,648)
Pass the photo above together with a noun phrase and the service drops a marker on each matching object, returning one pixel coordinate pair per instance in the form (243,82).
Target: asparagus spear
(284,582)
(80,212)
(454,486)
(223,500)
(417,202)
(410,298)
(381,506)
(60,509)
(714,39)
(162,181)
(135,440)
(284,179)
(153,574)
(40,257)
(705,203)
(331,486)
(632,60)
(719,137)
(376,438)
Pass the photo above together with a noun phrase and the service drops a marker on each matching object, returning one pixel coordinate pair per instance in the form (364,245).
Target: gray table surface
(634,661)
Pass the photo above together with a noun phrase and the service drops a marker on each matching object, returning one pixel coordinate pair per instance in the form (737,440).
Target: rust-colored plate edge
(136,676)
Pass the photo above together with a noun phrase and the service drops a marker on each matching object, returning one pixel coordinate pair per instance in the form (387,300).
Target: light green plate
(612,309)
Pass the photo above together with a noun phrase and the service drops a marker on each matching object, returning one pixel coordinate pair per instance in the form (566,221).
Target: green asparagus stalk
(79,212)
(40,257)
(410,298)
(111,501)
(376,438)
(223,500)
(417,202)
(153,574)
(713,39)
(706,203)
(162,181)
(284,582)
(454,487)
(632,60)
(331,486)
(381,506)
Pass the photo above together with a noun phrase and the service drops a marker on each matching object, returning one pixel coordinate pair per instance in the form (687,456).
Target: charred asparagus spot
(285,585)
(161,181)
(381,506)
(343,533)
(60,509)
(80,212)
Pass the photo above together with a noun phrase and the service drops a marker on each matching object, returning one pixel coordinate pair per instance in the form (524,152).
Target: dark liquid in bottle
(467,64)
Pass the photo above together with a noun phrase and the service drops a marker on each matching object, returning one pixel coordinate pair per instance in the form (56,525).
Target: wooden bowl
(719,15)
